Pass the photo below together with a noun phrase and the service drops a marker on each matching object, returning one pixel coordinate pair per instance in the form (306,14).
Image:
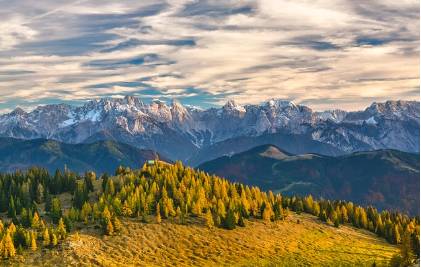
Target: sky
(321,53)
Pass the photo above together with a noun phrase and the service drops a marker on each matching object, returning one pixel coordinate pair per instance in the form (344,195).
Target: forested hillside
(39,210)
(386,179)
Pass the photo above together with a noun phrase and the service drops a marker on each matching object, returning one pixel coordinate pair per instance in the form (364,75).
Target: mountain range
(100,156)
(194,135)
(387,179)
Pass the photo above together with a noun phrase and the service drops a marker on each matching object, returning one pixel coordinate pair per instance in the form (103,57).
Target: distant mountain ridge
(186,133)
(101,156)
(387,179)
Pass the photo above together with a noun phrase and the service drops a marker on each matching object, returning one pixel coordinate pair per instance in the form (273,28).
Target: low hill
(383,178)
(101,156)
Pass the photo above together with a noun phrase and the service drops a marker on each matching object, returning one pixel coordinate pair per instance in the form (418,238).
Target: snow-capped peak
(18,111)
(232,105)
(149,125)
(280,103)
(336,115)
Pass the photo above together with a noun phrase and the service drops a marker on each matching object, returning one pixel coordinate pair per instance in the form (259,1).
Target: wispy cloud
(315,52)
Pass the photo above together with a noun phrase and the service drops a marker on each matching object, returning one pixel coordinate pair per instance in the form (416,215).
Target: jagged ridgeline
(36,212)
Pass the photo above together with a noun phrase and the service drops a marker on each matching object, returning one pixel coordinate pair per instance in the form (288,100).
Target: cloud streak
(201,52)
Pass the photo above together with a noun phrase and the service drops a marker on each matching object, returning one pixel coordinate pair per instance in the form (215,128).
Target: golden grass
(309,243)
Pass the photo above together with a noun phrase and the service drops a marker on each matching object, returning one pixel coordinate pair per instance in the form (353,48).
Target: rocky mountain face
(387,179)
(181,132)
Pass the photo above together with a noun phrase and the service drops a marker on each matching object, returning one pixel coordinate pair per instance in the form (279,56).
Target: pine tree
(11,229)
(209,219)
(180,215)
(396,235)
(81,195)
(35,221)
(56,212)
(46,238)
(323,216)
(406,250)
(109,187)
(54,240)
(267,212)
(229,221)
(33,241)
(39,194)
(334,218)
(90,177)
(11,212)
(241,222)
(116,224)
(85,212)
(61,229)
(336,222)
(109,230)
(48,200)
(8,246)
(221,209)
(196,209)
(158,214)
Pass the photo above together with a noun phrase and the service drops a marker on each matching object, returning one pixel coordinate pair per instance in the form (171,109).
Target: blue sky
(324,54)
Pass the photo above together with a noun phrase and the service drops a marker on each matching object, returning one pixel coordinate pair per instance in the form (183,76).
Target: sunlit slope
(300,240)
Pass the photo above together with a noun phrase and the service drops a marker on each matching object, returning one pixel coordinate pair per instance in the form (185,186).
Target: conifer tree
(396,235)
(109,230)
(116,224)
(11,212)
(54,240)
(11,229)
(39,194)
(229,221)
(241,222)
(267,213)
(33,241)
(158,214)
(61,229)
(46,238)
(35,220)
(56,211)
(8,246)
(209,219)
(336,221)
(85,212)
(406,250)
(180,215)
